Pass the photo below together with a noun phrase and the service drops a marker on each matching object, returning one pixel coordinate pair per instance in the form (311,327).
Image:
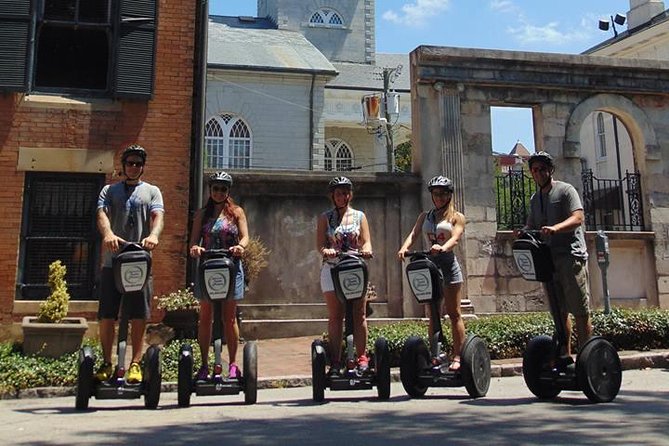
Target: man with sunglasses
(130,210)
(556,210)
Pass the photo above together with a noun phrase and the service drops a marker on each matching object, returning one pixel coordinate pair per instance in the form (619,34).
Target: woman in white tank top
(339,230)
(442,228)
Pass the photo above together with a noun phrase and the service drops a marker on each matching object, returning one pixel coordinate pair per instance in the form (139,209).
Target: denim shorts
(449,267)
(239,283)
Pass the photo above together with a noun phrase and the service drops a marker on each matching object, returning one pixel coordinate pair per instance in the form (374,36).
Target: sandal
(454,365)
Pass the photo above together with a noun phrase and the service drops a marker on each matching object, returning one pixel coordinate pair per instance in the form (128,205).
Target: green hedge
(506,336)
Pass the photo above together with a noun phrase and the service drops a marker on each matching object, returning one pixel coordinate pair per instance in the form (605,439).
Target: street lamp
(605,25)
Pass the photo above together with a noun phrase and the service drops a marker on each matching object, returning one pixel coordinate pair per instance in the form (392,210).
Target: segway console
(217,274)
(422,367)
(131,267)
(547,369)
(350,279)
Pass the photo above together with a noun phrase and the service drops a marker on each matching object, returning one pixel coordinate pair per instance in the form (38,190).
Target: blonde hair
(450,212)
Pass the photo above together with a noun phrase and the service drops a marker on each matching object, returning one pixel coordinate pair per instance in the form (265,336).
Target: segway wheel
(152,377)
(475,366)
(538,355)
(250,373)
(414,358)
(318,370)
(599,371)
(185,376)
(382,368)
(84,378)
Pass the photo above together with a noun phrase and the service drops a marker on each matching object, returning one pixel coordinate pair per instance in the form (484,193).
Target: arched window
(326,17)
(601,135)
(338,155)
(227,142)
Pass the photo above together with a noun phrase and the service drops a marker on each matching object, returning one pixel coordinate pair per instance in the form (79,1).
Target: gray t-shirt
(554,207)
(129,210)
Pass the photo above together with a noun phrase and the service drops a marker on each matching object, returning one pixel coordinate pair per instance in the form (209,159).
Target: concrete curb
(498,369)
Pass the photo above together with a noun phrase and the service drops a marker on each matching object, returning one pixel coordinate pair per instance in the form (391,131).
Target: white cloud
(552,33)
(416,14)
(504,6)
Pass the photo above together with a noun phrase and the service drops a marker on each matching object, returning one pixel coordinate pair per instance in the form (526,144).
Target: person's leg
(335,316)
(583,330)
(106,333)
(204,330)
(137,339)
(360,329)
(452,298)
(231,329)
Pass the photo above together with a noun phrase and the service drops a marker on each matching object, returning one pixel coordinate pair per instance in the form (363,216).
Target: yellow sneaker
(104,372)
(134,373)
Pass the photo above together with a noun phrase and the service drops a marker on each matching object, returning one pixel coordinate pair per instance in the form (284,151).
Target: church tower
(343,30)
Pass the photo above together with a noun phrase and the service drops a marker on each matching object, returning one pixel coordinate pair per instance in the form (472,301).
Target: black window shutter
(15,29)
(136,48)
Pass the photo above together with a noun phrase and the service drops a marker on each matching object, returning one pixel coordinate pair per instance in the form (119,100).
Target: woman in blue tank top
(339,230)
(220,224)
(441,229)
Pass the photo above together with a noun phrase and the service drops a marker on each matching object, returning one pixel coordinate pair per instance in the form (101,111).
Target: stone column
(452,165)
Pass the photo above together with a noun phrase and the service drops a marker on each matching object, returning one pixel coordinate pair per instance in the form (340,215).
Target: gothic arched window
(227,142)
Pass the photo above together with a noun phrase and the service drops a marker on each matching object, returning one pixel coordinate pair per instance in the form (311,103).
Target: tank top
(220,233)
(436,233)
(343,235)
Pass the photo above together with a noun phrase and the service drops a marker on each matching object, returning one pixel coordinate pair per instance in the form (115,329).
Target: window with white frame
(338,155)
(326,17)
(227,142)
(601,136)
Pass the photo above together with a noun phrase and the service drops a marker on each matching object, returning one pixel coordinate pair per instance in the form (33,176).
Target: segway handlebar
(356,253)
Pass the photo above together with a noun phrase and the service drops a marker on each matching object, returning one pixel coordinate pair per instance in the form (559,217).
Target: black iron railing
(613,204)
(609,204)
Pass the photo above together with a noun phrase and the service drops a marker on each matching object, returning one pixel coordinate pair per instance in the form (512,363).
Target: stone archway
(452,92)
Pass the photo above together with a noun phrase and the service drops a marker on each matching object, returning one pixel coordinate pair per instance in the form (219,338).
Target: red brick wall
(162,125)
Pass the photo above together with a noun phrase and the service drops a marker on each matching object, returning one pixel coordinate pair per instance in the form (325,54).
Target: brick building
(78,81)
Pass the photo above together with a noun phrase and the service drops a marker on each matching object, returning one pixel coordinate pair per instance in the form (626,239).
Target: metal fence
(608,204)
(612,204)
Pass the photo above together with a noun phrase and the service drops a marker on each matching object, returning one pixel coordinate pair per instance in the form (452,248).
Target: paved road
(508,415)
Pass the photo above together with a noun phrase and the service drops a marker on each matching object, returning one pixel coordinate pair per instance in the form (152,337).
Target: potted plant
(181,312)
(51,333)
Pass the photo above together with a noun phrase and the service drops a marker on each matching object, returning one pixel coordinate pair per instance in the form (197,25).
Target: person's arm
(458,230)
(411,238)
(243,226)
(571,223)
(109,239)
(321,237)
(157,224)
(196,235)
(365,237)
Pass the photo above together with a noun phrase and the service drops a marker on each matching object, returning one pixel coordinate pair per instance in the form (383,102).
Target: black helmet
(543,157)
(440,181)
(134,149)
(221,177)
(339,182)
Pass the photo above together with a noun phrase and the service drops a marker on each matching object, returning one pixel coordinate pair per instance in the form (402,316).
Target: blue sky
(565,26)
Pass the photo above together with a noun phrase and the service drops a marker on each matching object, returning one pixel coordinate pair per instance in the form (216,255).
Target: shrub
(182,299)
(54,308)
(254,258)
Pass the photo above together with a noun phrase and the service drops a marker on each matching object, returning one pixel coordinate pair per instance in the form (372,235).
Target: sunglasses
(440,193)
(219,189)
(134,163)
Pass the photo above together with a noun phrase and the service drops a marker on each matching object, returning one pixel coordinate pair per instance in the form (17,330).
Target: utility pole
(390,146)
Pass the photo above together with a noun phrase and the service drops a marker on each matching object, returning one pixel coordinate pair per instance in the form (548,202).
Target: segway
(546,370)
(350,279)
(131,267)
(217,278)
(422,366)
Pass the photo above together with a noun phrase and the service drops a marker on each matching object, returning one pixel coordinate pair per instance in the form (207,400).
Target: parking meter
(602,248)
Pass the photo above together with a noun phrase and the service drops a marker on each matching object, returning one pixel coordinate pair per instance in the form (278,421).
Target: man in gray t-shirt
(556,210)
(132,211)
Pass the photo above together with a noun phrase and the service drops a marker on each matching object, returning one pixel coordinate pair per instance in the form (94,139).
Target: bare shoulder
(459,218)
